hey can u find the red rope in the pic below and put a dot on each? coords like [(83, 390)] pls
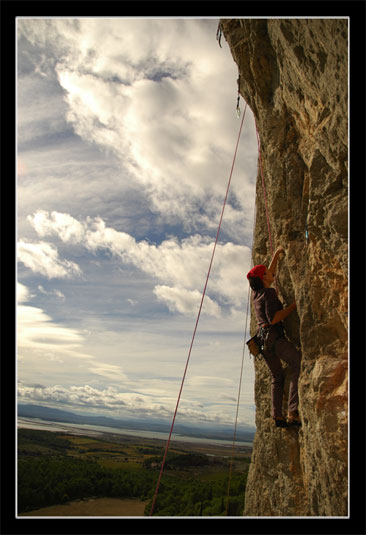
[(237, 408), (240, 381), (247, 313), (265, 196), (198, 316)]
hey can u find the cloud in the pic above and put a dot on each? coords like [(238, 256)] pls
[(67, 228), (125, 150), (114, 400), (57, 293), (153, 98), (36, 329), (23, 293), (181, 265), (176, 158), (207, 380), (111, 371), (186, 301), (38, 334), (86, 396), (43, 258), (135, 373)]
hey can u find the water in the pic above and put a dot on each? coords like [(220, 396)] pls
[(97, 430)]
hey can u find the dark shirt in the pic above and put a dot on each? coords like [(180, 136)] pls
[(266, 304)]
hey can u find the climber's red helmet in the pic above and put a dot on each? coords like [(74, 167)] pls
[(257, 271)]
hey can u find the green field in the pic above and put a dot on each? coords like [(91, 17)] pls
[(58, 468)]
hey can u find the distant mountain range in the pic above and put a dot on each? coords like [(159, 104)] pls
[(209, 431)]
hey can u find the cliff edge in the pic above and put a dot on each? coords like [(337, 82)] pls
[(294, 76)]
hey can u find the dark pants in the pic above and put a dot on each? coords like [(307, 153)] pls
[(286, 351)]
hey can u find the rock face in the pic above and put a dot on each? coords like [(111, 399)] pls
[(294, 76)]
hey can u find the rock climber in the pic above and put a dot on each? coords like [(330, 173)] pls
[(270, 313)]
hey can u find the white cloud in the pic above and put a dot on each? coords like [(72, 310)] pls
[(67, 228), (86, 396), (23, 293), (186, 301), (153, 96), (38, 335), (134, 373), (136, 134), (43, 258), (48, 345), (111, 371), (36, 330), (181, 264), (57, 293), (208, 380), (113, 399)]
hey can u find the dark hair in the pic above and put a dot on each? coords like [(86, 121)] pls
[(256, 283)]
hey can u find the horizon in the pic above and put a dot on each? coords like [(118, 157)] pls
[(152, 420)]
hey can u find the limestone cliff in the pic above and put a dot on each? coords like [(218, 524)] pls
[(294, 76)]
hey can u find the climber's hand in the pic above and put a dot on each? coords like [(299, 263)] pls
[(273, 265)]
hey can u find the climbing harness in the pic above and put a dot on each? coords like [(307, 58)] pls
[(198, 316), (269, 336), (265, 339)]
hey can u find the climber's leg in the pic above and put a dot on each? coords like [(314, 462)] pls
[(289, 354), (278, 381)]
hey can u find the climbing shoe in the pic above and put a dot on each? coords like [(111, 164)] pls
[(280, 422), (294, 419)]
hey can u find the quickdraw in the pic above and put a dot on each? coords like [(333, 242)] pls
[(219, 34), (238, 111)]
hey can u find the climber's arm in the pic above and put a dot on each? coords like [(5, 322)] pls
[(282, 314), (273, 265)]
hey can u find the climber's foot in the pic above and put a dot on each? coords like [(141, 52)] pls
[(280, 422), (293, 418)]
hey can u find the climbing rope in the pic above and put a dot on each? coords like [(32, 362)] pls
[(264, 188), (237, 407), (247, 312), (265, 197), (198, 317), (240, 380)]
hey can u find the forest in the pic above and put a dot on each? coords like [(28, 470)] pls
[(54, 468)]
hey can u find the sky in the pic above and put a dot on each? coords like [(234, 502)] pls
[(126, 131)]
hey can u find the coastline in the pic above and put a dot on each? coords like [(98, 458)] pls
[(116, 433)]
